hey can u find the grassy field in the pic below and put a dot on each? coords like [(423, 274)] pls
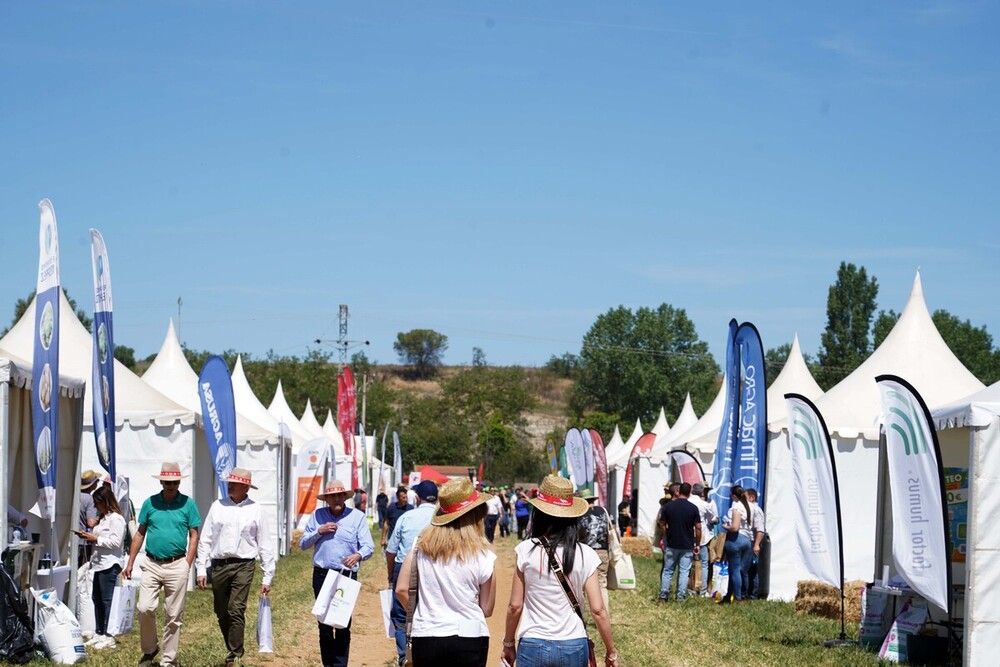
[(696, 632)]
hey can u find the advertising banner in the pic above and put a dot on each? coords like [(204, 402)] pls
[(920, 547), (397, 459), (814, 486), (550, 450), (575, 458), (722, 474), (750, 450), (309, 474), (688, 468), (45, 362), (956, 486), (588, 459), (102, 386), (600, 468), (642, 446), (218, 411)]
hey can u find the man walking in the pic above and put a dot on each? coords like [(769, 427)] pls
[(682, 527), (392, 514), (493, 510), (757, 525), (341, 540), (168, 526), (706, 511), (235, 534), (400, 542)]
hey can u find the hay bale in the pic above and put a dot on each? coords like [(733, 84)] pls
[(637, 546), (816, 597)]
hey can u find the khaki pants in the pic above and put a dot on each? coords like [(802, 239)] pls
[(230, 590), (172, 578)]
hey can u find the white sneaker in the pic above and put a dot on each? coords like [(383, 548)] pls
[(93, 639), (106, 642)]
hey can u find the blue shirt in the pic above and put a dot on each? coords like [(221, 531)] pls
[(351, 537), (407, 529)]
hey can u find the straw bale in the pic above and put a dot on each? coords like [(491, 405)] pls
[(637, 546), (816, 597)]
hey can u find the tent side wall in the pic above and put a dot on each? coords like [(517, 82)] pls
[(982, 628), (649, 477)]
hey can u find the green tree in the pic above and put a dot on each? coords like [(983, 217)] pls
[(634, 362), (477, 394), (603, 422), (125, 355), (21, 307), (429, 432), (850, 306), (478, 357), (422, 349), (972, 345), (567, 366)]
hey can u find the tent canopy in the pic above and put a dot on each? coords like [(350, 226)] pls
[(428, 472), (977, 410)]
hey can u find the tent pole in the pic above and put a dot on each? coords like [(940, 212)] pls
[(4, 456)]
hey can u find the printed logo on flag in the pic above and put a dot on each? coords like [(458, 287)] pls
[(914, 441), (812, 446)]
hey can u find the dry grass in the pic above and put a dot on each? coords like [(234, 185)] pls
[(821, 599), (637, 546)]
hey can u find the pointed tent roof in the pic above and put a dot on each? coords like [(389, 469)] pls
[(711, 420), (614, 446), (331, 431), (309, 422), (621, 456), (662, 426), (247, 402), (280, 411), (172, 375), (794, 378), (686, 419), (135, 401), (913, 350)]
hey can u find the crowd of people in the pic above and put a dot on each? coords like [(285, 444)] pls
[(438, 548)]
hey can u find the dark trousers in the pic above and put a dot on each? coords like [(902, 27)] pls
[(103, 594), (398, 615), (230, 589), (452, 651), (491, 526), (505, 525), (334, 645), (522, 526)]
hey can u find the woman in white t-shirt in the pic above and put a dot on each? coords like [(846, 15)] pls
[(456, 588), (107, 539), (739, 535), (549, 631)]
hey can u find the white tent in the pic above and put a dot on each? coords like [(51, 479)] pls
[(258, 449), (617, 460), (709, 421), (969, 435), (913, 350), (309, 422), (283, 414), (249, 405), (332, 432), (662, 426)]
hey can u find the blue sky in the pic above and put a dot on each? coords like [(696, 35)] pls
[(501, 172)]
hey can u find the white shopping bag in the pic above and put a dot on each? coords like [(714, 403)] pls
[(621, 573), (60, 631), (122, 606), (385, 597), (265, 640), (335, 602), (720, 580)]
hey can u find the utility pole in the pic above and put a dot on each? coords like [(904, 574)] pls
[(364, 396), (342, 341)]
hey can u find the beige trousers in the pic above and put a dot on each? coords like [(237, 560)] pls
[(172, 579)]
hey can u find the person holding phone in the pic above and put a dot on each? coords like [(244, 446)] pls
[(106, 540)]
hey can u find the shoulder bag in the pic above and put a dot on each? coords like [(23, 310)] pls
[(557, 569)]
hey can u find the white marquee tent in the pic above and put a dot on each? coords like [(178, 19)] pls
[(913, 350)]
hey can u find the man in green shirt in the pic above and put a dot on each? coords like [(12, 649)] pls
[(168, 526)]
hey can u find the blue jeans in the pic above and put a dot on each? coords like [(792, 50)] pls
[(705, 567), (104, 592), (398, 615), (671, 557), (738, 551), (553, 653)]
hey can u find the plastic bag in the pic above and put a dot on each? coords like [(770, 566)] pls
[(720, 580), (265, 639), (59, 629), (621, 574), (85, 599), (335, 602), (385, 598), (122, 614), (17, 630)]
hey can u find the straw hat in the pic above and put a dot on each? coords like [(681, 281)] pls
[(456, 498), (240, 476), (88, 479), (169, 472), (555, 498), (335, 488)]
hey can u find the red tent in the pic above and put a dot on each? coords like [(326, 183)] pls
[(427, 472)]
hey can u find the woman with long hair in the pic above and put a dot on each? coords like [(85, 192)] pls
[(107, 539), (456, 589), (549, 628), (739, 536)]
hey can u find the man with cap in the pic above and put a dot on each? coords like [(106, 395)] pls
[(404, 534), (235, 534), (341, 540), (88, 512), (708, 516), (168, 527)]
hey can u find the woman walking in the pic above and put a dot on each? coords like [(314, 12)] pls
[(522, 510), (738, 539), (553, 571), (456, 589), (105, 562)]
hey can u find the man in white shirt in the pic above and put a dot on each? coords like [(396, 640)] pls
[(759, 533), (494, 508), (708, 519), (235, 534)]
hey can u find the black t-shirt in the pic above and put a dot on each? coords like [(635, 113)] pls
[(594, 528), (393, 512), (681, 516)]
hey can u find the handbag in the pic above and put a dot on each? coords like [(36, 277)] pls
[(573, 602), (411, 607)]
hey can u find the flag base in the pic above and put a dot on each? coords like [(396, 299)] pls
[(843, 642)]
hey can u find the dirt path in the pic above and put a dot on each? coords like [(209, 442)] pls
[(369, 645)]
